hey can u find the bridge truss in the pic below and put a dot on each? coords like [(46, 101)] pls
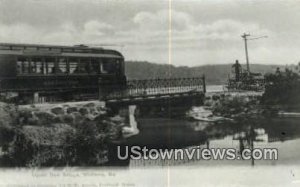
[(153, 89)]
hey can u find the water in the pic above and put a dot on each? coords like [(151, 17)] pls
[(215, 88), (280, 133)]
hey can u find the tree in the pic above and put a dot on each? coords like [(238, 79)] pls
[(282, 88)]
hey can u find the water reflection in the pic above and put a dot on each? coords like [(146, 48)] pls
[(280, 133)]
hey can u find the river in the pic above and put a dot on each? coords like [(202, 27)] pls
[(215, 88), (160, 133)]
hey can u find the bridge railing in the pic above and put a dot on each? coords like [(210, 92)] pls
[(153, 87)]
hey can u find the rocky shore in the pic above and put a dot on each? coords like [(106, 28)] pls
[(57, 134), (232, 106), (81, 133)]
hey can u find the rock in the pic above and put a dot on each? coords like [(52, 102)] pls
[(93, 110), (102, 112), (101, 108), (207, 97), (83, 111), (26, 114), (57, 110), (117, 119), (72, 109), (68, 118), (90, 117), (95, 113), (77, 117), (208, 103), (215, 97), (45, 118), (90, 105), (58, 119), (33, 121)]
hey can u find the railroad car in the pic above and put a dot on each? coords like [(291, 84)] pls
[(45, 73)]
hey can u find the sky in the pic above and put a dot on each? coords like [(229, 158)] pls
[(179, 32)]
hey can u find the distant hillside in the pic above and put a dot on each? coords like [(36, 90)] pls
[(215, 74)]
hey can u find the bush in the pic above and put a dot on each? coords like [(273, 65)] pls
[(282, 88), (37, 137), (230, 106)]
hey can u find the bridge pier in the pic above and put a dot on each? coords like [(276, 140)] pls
[(132, 129), (36, 98), (132, 121), (127, 131)]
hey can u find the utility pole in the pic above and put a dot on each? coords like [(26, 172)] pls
[(244, 36)]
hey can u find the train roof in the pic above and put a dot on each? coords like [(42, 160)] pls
[(40, 49)]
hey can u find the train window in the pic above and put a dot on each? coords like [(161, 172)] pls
[(32, 67), (83, 66), (118, 65), (37, 66), (73, 63), (25, 66), (95, 65), (19, 66), (62, 65), (50, 65), (108, 66), (22, 66)]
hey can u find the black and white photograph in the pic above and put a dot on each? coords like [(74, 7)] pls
[(130, 93)]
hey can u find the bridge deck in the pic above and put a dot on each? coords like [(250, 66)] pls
[(153, 89)]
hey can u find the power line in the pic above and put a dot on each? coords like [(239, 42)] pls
[(245, 37)]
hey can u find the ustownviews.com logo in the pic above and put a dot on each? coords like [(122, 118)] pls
[(137, 153)]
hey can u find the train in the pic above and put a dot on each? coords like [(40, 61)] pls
[(31, 73)]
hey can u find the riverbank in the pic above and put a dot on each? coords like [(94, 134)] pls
[(82, 133), (57, 134)]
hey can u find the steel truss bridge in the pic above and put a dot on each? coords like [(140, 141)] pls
[(138, 91)]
